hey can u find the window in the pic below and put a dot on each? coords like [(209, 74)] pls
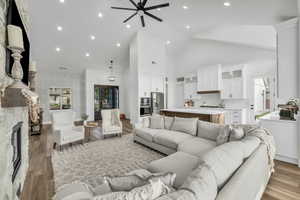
[(60, 98)]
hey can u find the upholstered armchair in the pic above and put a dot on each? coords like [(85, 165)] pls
[(111, 122), (63, 128)]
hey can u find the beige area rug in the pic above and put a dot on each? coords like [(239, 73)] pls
[(114, 157)]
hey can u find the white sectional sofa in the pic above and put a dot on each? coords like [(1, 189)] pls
[(241, 166)]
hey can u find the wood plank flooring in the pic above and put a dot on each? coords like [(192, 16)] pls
[(39, 184)]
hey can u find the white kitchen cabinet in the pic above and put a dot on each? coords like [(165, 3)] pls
[(150, 83), (286, 136), (235, 116), (157, 84), (209, 78), (287, 55), (145, 86), (190, 87), (233, 83)]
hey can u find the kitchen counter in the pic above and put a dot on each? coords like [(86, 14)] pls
[(274, 116), (204, 114), (207, 111)]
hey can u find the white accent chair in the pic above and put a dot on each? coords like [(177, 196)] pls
[(64, 130), (111, 122)]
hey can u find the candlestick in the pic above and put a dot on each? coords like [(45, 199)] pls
[(17, 71), (15, 36), (32, 66)]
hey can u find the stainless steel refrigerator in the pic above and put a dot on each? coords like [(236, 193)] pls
[(157, 102)]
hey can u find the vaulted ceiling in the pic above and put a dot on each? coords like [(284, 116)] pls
[(79, 21)]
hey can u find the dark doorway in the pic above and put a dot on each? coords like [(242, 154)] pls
[(105, 97)]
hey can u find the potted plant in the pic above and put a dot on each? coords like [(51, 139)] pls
[(84, 117)]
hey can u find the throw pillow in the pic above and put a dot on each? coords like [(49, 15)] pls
[(138, 178), (236, 133), (147, 192), (157, 122), (186, 125), (124, 183), (223, 136), (102, 189), (202, 183), (208, 130), (74, 191), (168, 122)]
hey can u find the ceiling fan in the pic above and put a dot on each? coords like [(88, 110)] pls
[(141, 9)]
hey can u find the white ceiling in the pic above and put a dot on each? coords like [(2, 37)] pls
[(79, 19)]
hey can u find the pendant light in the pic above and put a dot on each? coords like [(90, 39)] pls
[(111, 77)]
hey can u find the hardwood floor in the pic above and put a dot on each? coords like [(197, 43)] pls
[(39, 184)]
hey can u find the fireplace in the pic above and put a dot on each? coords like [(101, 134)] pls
[(17, 152)]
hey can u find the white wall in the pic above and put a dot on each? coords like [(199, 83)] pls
[(62, 79), (100, 77), (144, 50)]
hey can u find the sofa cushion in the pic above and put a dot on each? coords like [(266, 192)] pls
[(170, 138), (208, 130), (224, 160), (146, 133), (186, 125), (157, 122), (168, 122), (179, 163), (202, 183), (196, 146)]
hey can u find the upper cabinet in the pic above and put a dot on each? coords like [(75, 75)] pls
[(190, 87), (233, 83), (209, 79), (150, 83), (287, 55)]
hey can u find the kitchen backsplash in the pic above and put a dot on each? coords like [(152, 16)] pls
[(215, 99)]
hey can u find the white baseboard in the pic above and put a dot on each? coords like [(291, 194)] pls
[(286, 159)]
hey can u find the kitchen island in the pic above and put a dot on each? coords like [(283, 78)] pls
[(204, 114)]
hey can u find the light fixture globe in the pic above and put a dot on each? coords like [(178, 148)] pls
[(111, 77)]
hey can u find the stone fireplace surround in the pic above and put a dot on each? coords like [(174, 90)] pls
[(9, 117)]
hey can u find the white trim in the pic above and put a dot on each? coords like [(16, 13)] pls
[(286, 159), (50, 123), (287, 24)]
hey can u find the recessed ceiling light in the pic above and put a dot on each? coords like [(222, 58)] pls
[(57, 49), (188, 27), (158, 9), (118, 44), (227, 3), (168, 42), (185, 7), (128, 26), (87, 54), (93, 37), (62, 1), (59, 28), (100, 15)]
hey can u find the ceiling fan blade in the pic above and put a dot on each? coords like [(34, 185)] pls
[(142, 20), (157, 6), (134, 3), (144, 2), (154, 17), (129, 18), (119, 8)]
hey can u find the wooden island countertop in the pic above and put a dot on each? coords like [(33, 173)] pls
[(205, 114)]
